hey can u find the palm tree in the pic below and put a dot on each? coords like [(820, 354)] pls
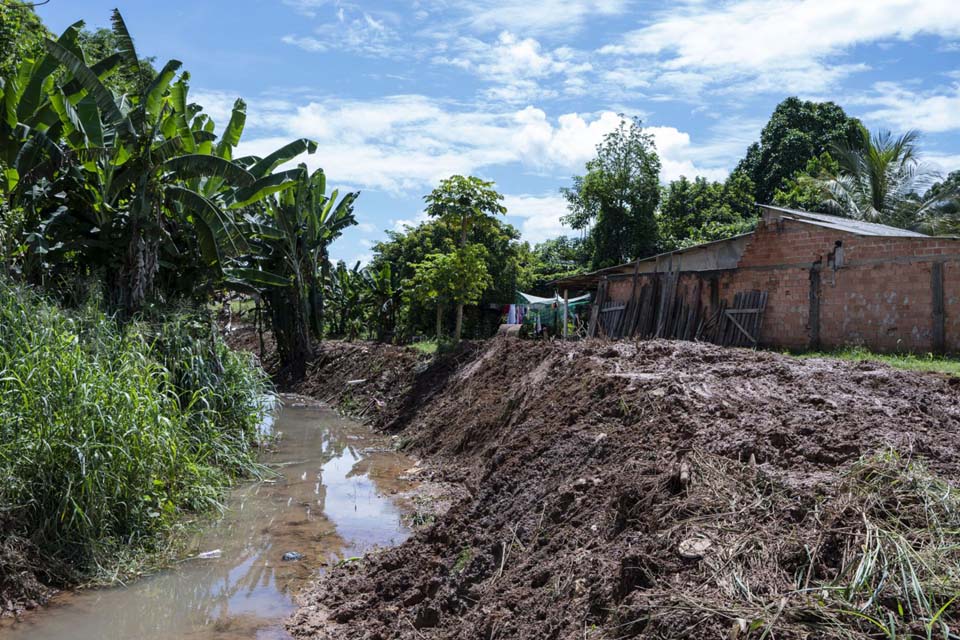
[(881, 179)]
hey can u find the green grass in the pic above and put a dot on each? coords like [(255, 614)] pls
[(428, 347), (911, 362), (110, 435)]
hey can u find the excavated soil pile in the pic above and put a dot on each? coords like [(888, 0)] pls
[(665, 490), (378, 383)]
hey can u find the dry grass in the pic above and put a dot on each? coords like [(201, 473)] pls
[(876, 557)]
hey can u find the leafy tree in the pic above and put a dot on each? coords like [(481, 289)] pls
[(553, 259), (137, 151), (702, 211), (290, 238), (128, 79), (456, 278), (617, 197), (881, 179), (505, 259), (382, 298), (945, 196), (21, 35), (345, 289), (797, 131), (464, 203), (804, 190)]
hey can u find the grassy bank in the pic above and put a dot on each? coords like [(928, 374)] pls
[(109, 435), (910, 362)]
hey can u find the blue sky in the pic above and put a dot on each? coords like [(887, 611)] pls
[(400, 94)]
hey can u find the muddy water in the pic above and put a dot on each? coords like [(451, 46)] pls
[(337, 498)]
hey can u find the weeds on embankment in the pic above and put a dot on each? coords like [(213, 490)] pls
[(109, 434), (928, 362)]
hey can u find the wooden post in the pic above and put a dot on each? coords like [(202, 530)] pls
[(597, 306), (936, 286), (566, 305)]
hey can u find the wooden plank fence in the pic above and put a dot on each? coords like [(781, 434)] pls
[(655, 310)]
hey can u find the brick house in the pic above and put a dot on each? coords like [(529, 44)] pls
[(800, 280)]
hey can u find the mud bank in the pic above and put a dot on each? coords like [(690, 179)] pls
[(378, 383), (658, 489)]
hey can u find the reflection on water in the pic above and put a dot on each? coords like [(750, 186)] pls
[(332, 502)]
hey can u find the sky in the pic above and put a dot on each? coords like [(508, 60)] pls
[(400, 94)]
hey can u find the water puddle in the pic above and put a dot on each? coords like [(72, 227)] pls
[(335, 500)]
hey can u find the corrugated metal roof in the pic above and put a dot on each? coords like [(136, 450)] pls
[(849, 225), (628, 267), (837, 223)]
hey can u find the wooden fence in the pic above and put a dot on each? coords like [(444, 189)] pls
[(656, 310)]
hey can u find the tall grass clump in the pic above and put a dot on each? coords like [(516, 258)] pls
[(110, 433)]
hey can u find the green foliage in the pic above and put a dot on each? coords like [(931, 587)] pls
[(21, 35), (550, 260), (459, 277), (464, 203), (110, 434), (944, 197), (127, 80), (804, 190), (797, 131), (702, 211), (505, 259), (617, 198), (290, 236), (456, 278)]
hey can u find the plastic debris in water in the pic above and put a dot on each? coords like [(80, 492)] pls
[(292, 555), (209, 555)]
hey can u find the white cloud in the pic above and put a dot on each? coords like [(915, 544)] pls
[(517, 66), (403, 143), (677, 156), (401, 224), (899, 108), (943, 163), (539, 216), (769, 45), (362, 33), (537, 16), (306, 7)]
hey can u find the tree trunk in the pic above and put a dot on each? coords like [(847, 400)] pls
[(459, 326), (463, 243), (439, 322), (136, 277), (290, 331), (315, 305)]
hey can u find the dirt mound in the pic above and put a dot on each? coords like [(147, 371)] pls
[(378, 383), (22, 581), (664, 490)]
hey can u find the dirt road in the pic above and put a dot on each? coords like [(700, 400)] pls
[(661, 490)]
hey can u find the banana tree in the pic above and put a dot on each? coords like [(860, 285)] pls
[(346, 288), (289, 240), (139, 154), (381, 297), (37, 171)]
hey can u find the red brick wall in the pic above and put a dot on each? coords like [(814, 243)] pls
[(951, 300), (880, 296)]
